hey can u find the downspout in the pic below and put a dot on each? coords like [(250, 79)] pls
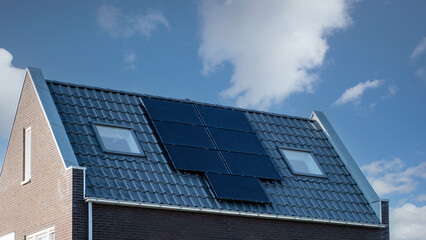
[(90, 221)]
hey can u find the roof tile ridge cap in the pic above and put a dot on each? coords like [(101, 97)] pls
[(94, 99), (176, 99), (77, 85), (97, 108), (278, 115)]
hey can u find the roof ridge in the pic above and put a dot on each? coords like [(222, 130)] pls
[(176, 99)]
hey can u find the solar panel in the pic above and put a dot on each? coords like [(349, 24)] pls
[(190, 147), (196, 159), (165, 110), (224, 118), (237, 141), (183, 134), (251, 165), (231, 187)]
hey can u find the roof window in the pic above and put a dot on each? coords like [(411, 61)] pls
[(301, 162), (119, 140)]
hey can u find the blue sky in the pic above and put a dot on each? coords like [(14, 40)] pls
[(363, 63)]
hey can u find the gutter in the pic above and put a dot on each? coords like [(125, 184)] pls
[(222, 212)]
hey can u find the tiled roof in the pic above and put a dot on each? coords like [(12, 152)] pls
[(150, 179)]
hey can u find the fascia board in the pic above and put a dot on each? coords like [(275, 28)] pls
[(54, 120)]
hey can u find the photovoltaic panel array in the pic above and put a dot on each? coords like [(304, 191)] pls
[(216, 141)]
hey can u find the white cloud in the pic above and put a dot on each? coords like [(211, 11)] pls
[(125, 25), (130, 58), (355, 93), (383, 186), (420, 49), (408, 222), (391, 177), (421, 198), (421, 73), (274, 46), (392, 90), (11, 80), (377, 167)]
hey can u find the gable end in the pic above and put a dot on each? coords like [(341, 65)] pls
[(53, 118), (362, 182)]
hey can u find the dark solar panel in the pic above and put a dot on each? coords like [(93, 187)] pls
[(224, 118), (196, 159), (172, 111), (237, 141), (251, 165), (231, 187), (190, 147), (183, 134)]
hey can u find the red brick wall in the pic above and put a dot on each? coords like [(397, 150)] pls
[(48, 199), (119, 222)]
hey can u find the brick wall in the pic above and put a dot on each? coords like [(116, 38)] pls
[(385, 219), (120, 222), (49, 198), (79, 207)]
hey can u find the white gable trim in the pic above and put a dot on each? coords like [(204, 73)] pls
[(362, 182), (52, 116)]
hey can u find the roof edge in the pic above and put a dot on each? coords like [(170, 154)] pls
[(176, 99), (54, 120), (353, 168), (229, 212)]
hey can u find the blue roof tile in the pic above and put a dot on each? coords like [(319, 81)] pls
[(150, 178)]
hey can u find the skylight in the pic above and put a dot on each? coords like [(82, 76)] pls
[(117, 140), (301, 162)]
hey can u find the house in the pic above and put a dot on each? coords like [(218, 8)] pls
[(92, 163)]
